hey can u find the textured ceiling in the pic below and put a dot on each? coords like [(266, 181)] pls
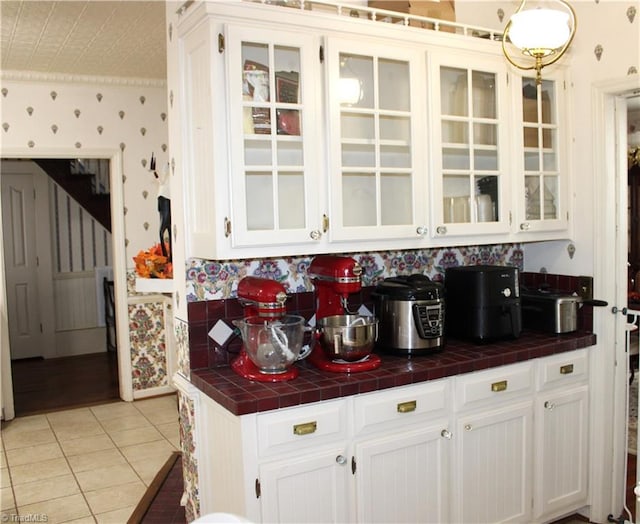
[(120, 38)]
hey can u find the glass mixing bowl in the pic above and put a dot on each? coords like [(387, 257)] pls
[(273, 345)]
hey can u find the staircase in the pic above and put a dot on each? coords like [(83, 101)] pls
[(89, 189)]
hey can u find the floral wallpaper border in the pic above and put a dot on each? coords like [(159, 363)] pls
[(148, 345), (189, 460), (214, 280)]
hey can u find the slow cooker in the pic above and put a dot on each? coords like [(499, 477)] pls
[(410, 312)]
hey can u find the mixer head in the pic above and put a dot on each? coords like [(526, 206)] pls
[(262, 297), (335, 278), (341, 274)]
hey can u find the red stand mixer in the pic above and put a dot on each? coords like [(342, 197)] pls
[(265, 299), (334, 279)]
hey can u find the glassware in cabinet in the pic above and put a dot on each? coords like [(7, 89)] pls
[(275, 167), (471, 171), (540, 139)]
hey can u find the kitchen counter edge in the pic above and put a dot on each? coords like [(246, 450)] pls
[(241, 396)]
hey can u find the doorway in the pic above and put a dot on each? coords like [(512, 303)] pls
[(121, 360), (56, 244)]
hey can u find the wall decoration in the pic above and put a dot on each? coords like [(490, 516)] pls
[(181, 329), (631, 13), (148, 347), (189, 461), (598, 50), (214, 280), (54, 95)]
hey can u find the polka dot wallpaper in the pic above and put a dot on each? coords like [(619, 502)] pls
[(41, 114)]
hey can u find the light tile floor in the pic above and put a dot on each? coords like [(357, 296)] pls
[(85, 465)]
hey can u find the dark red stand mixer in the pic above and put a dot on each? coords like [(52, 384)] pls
[(271, 338), (344, 340)]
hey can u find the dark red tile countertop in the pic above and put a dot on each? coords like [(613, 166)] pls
[(241, 396)]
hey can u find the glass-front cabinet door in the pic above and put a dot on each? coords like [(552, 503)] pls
[(273, 120), (470, 146), (377, 168), (544, 183)]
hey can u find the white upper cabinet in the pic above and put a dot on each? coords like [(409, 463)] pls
[(377, 170), (273, 86), (542, 202), (470, 124), (306, 133)]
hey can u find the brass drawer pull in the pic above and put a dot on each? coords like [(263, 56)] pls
[(566, 370), (407, 407), (499, 386), (305, 428)]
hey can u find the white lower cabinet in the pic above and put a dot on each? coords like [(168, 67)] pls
[(453, 450), (493, 467), (403, 476), (561, 436), (307, 488), (493, 437), (402, 454)]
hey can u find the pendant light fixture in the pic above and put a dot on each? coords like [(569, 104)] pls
[(542, 34)]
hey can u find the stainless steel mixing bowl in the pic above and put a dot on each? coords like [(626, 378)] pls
[(347, 337)]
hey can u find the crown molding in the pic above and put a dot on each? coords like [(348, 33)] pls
[(37, 76)]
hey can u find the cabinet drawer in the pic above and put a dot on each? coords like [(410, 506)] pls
[(564, 368), (496, 384), (396, 406), (311, 425)]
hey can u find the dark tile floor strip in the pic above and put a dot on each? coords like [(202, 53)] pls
[(161, 503)]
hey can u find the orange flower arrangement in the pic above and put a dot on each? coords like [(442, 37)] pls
[(153, 264)]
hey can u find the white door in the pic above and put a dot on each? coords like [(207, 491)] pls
[(18, 213), (561, 466), (403, 476), (493, 472), (312, 488)]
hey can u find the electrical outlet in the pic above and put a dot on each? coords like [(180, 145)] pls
[(585, 287)]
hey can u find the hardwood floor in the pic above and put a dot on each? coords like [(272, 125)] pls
[(41, 385)]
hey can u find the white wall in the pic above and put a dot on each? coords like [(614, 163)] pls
[(111, 116)]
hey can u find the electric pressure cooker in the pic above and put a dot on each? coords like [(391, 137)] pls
[(410, 311)]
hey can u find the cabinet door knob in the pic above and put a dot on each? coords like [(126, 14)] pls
[(549, 405), (341, 459), (421, 230), (468, 427), (445, 433), (315, 234), (441, 230), (525, 226)]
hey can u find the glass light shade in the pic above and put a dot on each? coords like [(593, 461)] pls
[(540, 30), (350, 91)]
